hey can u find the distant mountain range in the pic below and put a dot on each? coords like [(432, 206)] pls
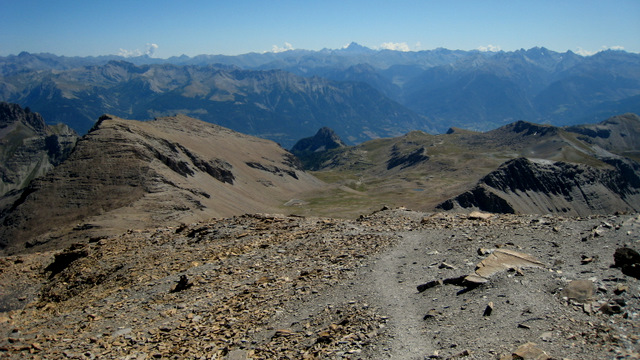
[(358, 92)]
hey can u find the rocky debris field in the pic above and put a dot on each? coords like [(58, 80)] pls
[(393, 284)]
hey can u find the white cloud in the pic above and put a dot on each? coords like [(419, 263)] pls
[(129, 53), (395, 46), (277, 49), (490, 48), (151, 50), (583, 52)]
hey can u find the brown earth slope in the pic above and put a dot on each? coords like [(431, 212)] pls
[(128, 175)]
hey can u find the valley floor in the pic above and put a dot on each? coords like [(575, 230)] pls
[(271, 286)]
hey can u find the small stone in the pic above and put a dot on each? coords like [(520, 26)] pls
[(429, 285), (477, 215), (620, 288), (530, 351), (324, 337), (444, 265), (464, 353), (283, 333), (546, 336), (611, 309), (587, 259), (488, 310), (430, 314)]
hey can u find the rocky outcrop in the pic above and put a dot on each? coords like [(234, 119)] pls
[(28, 147), (324, 139), (127, 174), (311, 151), (540, 186)]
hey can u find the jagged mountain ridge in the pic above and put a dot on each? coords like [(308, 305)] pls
[(466, 89), (127, 174), (421, 171), (28, 147), (271, 104)]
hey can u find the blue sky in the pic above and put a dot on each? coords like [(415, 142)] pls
[(167, 28)]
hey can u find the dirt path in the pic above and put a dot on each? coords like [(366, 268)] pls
[(390, 284)]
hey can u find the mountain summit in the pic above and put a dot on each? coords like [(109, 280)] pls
[(127, 174), (324, 139)]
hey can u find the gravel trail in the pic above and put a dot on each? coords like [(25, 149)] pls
[(391, 283)]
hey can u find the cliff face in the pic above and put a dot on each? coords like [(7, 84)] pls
[(127, 174), (530, 186), (28, 147), (312, 150)]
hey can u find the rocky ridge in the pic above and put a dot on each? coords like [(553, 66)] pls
[(272, 286), (127, 173), (28, 147), (530, 186)]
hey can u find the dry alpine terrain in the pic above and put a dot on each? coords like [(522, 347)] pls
[(131, 174), (171, 239), (393, 284)]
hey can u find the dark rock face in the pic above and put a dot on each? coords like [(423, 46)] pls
[(311, 150), (324, 139), (28, 147), (481, 198), (532, 186)]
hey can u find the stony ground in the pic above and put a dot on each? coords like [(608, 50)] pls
[(271, 286)]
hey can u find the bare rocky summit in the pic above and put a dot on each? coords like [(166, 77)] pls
[(129, 174), (273, 286)]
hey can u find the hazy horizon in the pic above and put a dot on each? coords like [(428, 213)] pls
[(150, 52), (165, 28)]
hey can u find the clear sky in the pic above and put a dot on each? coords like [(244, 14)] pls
[(165, 28)]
